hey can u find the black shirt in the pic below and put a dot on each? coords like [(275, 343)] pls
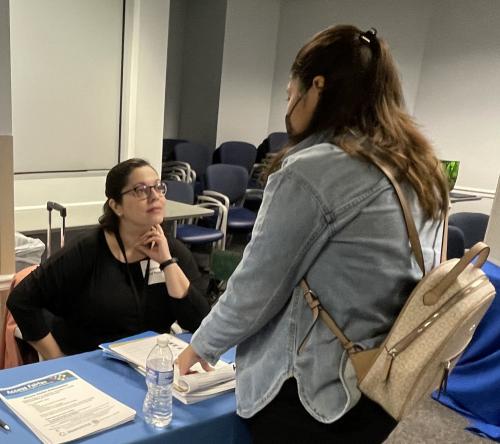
[(89, 292)]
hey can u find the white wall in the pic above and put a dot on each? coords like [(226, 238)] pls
[(247, 70), (5, 87), (142, 120), (173, 88), (201, 70), (145, 62), (459, 96), (403, 23), (66, 70)]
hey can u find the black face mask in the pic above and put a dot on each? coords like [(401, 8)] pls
[(288, 122)]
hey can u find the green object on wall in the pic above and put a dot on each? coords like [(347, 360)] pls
[(451, 170)]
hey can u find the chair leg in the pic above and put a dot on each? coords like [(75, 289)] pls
[(229, 238)]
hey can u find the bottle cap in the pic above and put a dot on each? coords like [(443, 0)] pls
[(162, 340)]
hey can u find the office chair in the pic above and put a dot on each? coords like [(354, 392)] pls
[(228, 183), (238, 153), (168, 148), (198, 156), (456, 243), (198, 233), (472, 225), (277, 141)]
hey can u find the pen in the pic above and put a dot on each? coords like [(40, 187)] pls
[(4, 426)]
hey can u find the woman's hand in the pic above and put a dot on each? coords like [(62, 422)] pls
[(154, 245), (188, 358)]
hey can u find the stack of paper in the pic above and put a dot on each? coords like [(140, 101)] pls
[(195, 387), (62, 407)]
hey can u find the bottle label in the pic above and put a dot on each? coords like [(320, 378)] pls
[(160, 378)]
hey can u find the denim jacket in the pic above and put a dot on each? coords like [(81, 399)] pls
[(335, 220)]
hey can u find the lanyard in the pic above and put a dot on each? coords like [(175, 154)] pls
[(129, 274)]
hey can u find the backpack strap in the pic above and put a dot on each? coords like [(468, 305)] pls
[(319, 312), (444, 240), (315, 305), (408, 217)]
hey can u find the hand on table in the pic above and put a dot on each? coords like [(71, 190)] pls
[(187, 359)]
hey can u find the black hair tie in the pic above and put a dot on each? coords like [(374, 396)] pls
[(368, 37)]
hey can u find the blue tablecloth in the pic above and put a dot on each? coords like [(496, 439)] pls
[(474, 385), (210, 421)]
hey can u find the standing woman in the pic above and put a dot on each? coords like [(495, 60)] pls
[(331, 216), (123, 278)]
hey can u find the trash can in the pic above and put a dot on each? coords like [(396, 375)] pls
[(28, 251)]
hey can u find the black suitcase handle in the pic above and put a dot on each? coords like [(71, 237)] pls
[(62, 211), (58, 207)]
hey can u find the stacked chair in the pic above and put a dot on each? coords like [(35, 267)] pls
[(179, 171)]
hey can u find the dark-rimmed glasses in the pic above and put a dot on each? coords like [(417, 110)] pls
[(143, 191)]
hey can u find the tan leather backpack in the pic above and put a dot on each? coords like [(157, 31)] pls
[(430, 333)]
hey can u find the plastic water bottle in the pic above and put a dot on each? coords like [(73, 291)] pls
[(157, 405)]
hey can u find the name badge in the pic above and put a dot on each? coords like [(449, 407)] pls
[(156, 276)]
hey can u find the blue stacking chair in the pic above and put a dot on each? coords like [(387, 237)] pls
[(191, 233), (472, 225), (198, 156), (168, 148), (267, 149), (456, 243), (238, 153), (277, 141), (228, 183)]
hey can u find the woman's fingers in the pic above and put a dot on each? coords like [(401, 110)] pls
[(206, 366)]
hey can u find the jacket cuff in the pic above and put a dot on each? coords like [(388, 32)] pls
[(202, 348)]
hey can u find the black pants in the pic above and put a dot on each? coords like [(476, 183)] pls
[(284, 420)]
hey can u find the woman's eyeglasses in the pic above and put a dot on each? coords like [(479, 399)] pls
[(144, 191)]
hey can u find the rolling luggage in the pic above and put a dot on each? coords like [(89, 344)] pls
[(62, 212)]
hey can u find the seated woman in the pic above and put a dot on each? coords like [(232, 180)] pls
[(121, 279)]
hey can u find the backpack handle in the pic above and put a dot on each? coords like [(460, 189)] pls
[(479, 250)]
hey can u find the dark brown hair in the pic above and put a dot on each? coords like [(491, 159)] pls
[(362, 106), (116, 180)]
